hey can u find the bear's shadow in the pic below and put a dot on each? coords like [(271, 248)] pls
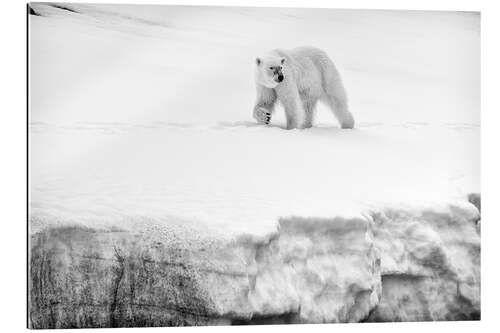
[(319, 129), (248, 124)]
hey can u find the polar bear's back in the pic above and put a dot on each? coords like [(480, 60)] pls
[(309, 52), (305, 54)]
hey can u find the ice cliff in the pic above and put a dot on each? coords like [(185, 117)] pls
[(390, 265)]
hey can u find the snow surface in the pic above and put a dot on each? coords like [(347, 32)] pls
[(142, 113)]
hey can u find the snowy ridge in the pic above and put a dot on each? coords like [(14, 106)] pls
[(109, 174)]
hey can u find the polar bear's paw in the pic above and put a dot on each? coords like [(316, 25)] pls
[(262, 115)]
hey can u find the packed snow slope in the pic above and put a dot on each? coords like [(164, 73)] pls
[(141, 129)]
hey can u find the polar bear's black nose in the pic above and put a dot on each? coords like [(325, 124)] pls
[(280, 78)]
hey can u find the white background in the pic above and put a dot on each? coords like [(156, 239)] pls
[(13, 166)]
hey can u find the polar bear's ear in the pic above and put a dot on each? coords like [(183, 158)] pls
[(282, 61), (257, 61)]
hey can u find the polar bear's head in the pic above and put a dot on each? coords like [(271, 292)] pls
[(269, 70)]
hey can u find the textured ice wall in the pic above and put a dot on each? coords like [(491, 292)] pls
[(392, 265), (430, 264)]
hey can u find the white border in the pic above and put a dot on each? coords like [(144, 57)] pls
[(13, 163)]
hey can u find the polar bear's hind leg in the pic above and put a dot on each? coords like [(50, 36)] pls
[(340, 110), (335, 96)]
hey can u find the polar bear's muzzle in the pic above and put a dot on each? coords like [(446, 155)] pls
[(278, 74)]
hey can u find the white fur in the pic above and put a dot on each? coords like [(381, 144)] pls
[(309, 76)]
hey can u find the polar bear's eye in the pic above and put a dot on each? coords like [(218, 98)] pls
[(271, 68)]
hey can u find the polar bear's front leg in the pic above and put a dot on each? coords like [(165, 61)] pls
[(294, 111), (264, 106), (291, 121), (294, 115), (309, 106), (262, 115)]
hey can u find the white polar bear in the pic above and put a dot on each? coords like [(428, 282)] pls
[(298, 78)]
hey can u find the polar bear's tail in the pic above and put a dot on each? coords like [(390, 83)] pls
[(334, 94)]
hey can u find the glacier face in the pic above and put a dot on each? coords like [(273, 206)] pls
[(393, 265), (430, 264)]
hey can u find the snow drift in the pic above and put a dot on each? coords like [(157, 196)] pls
[(155, 200)]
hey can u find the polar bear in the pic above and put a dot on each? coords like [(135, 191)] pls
[(298, 79)]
